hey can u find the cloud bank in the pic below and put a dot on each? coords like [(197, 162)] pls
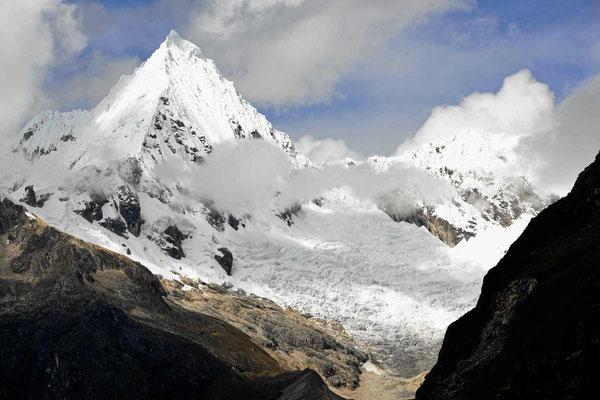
[(271, 183), (521, 106), (324, 150), (294, 52), (559, 154), (35, 35), (558, 141)]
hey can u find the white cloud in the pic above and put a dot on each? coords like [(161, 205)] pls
[(35, 36), (522, 106), (559, 154), (557, 141), (324, 150), (239, 177), (397, 189), (292, 52), (272, 184)]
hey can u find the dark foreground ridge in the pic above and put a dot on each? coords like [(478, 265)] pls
[(80, 322), (535, 332)]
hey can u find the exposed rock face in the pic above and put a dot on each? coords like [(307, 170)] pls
[(115, 225), (289, 213), (215, 218), (130, 210), (29, 198), (92, 210), (445, 231), (534, 332), (32, 200), (479, 167), (225, 260), (233, 222), (78, 321), (174, 238)]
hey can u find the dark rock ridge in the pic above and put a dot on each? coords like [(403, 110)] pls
[(289, 213), (124, 201), (535, 331), (130, 210), (174, 238), (31, 199), (214, 217), (78, 321), (437, 226), (233, 222), (92, 209), (115, 225), (225, 260)]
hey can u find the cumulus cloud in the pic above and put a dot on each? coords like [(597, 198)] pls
[(557, 141), (559, 154), (36, 35), (291, 52), (324, 150), (522, 106)]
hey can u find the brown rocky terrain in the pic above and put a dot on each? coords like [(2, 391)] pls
[(78, 321), (295, 340), (535, 332)]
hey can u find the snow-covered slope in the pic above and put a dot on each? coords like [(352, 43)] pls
[(175, 104), (488, 192), (97, 175)]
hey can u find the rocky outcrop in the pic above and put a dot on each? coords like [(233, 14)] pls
[(482, 187), (233, 222), (295, 340), (78, 321), (115, 225), (289, 213), (442, 229), (92, 209), (214, 218), (130, 210), (225, 259), (534, 332), (29, 198), (32, 200), (174, 238)]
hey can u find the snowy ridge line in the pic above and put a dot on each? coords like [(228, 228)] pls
[(97, 175)]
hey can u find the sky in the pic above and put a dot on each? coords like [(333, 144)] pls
[(360, 77)]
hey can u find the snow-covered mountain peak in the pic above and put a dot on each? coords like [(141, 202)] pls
[(176, 104), (174, 40), (483, 168), (102, 175), (468, 151)]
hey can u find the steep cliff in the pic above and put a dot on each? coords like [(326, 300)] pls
[(536, 327)]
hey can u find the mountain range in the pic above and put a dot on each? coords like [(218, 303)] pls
[(147, 174)]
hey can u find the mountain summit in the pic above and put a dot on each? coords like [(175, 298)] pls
[(125, 176), (175, 103)]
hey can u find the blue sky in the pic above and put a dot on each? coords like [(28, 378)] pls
[(379, 99)]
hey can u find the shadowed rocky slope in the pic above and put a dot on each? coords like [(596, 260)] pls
[(295, 340), (78, 321), (535, 332)]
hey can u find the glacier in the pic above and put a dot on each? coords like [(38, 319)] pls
[(391, 283)]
